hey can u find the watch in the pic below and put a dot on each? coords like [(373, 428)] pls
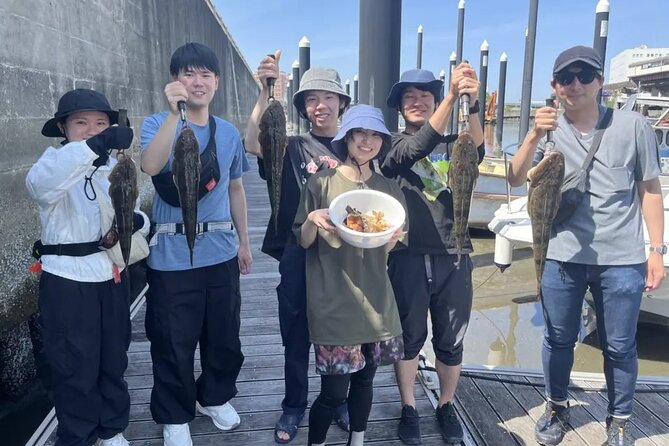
[(662, 249), (474, 108)]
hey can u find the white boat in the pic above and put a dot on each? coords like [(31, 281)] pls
[(490, 192), (511, 224)]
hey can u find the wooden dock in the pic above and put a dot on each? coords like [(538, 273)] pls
[(494, 413)]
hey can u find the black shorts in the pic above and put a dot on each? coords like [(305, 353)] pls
[(448, 296)]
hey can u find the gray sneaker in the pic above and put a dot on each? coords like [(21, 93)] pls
[(552, 425), (616, 432)]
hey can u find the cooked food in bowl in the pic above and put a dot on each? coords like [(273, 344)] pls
[(369, 222), (366, 202)]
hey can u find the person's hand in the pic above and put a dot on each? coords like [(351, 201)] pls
[(321, 219), (464, 81), (545, 119), (654, 271), (269, 68), (397, 235), (112, 138), (244, 258), (175, 92)]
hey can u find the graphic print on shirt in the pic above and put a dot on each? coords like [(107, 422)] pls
[(433, 172)]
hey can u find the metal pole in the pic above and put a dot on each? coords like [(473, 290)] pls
[(528, 67), (442, 77), (289, 100), (304, 48), (296, 87), (348, 87), (501, 91), (453, 127), (419, 48), (355, 89), (483, 76), (601, 33), (379, 65), (461, 30)]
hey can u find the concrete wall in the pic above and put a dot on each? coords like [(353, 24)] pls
[(119, 47)]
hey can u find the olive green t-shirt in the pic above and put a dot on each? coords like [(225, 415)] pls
[(349, 296)]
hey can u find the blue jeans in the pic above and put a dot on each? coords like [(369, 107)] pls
[(617, 294)]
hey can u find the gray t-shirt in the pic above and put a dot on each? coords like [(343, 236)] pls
[(606, 227)]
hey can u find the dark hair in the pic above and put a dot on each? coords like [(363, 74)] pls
[(436, 93), (425, 88), (194, 55)]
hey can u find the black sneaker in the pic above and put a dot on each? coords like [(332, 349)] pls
[(552, 425), (616, 432), (451, 430), (409, 428)]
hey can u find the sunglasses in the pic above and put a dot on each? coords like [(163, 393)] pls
[(567, 77)]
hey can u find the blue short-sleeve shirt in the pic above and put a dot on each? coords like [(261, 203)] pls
[(170, 253)]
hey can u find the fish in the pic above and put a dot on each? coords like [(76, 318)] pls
[(462, 173), (543, 200), (273, 141), (124, 192), (186, 175)]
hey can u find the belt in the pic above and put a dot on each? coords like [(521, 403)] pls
[(178, 228), (68, 249)]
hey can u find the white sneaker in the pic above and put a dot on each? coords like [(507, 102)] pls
[(116, 440), (225, 417), (177, 435)]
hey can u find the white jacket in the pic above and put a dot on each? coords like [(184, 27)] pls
[(56, 181)]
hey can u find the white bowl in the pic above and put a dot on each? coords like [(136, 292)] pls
[(366, 201)]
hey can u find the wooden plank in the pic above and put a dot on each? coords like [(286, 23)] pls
[(143, 427), (271, 339), (488, 425), (508, 409), (382, 432), (583, 428), (644, 425), (390, 393), (655, 404), (263, 387), (597, 406)]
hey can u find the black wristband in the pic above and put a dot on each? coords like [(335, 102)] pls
[(475, 108)]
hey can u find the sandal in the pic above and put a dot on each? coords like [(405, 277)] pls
[(288, 423), (341, 417)]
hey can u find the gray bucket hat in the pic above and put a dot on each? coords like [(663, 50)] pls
[(366, 117), (317, 78)]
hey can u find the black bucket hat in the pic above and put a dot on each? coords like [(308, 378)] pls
[(75, 101), (415, 78)]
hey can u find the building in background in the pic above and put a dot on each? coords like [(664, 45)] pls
[(280, 92), (622, 69), (641, 70)]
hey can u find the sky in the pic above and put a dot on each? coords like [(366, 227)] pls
[(332, 27)]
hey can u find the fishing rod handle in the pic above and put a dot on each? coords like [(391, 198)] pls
[(270, 82), (464, 103), (122, 117), (122, 122), (182, 110), (550, 102)]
